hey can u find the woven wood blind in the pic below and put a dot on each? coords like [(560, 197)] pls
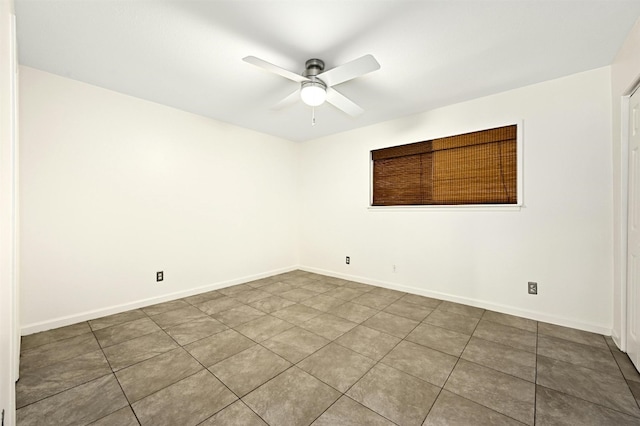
[(473, 168)]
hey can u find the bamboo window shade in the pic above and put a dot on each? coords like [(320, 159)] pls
[(473, 168)]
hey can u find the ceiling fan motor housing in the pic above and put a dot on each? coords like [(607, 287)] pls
[(313, 68), (313, 92)]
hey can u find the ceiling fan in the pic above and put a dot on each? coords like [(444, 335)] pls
[(316, 84)]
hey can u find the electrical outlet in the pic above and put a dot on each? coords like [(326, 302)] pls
[(533, 287), (159, 276), (395, 268), (348, 261)]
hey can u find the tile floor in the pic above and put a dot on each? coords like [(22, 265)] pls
[(301, 348)]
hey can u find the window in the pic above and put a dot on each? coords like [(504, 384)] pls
[(473, 168)]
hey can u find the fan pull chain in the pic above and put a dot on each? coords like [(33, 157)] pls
[(313, 116)]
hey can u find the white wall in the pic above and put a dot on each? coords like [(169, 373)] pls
[(561, 238), (114, 188), (625, 74), (9, 336)]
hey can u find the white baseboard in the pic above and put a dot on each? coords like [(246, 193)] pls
[(102, 312), (534, 315)]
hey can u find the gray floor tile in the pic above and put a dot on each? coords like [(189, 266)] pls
[(328, 326), (452, 321), (453, 410), (122, 417), (626, 366), (368, 342), (422, 362), (261, 282), (335, 281), (426, 302), (375, 301), (46, 381), (263, 328), (353, 312), (239, 315), (337, 366), (388, 292), (213, 349), (635, 390), (409, 310), (297, 314), (346, 294), (300, 280), (220, 304), (356, 286), (250, 296), (573, 335), (187, 402), (52, 353), (271, 304), (121, 333), (203, 297), (246, 370), (322, 303), (610, 342), (298, 294), (395, 395), (600, 388), (447, 341), (116, 319), (292, 398), (195, 330), (578, 354), (511, 321), (501, 392), (391, 324), (76, 406), (50, 336), (235, 289), (150, 376), (509, 336), (139, 349), (164, 307), (295, 344), (236, 414), (457, 308), (347, 412), (555, 408), (503, 358), (178, 316), (278, 287), (320, 286), (582, 377)]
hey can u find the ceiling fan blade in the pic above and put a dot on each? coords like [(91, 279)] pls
[(343, 103), (275, 69), (350, 70), (287, 101)]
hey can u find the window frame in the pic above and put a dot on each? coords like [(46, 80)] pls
[(458, 207)]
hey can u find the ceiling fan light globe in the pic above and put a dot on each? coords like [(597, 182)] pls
[(313, 94)]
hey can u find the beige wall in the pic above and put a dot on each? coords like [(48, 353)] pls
[(114, 188), (561, 237)]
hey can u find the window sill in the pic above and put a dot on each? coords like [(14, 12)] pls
[(449, 208)]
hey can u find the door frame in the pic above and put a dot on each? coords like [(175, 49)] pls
[(625, 137)]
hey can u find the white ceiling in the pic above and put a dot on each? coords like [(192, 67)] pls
[(188, 54)]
